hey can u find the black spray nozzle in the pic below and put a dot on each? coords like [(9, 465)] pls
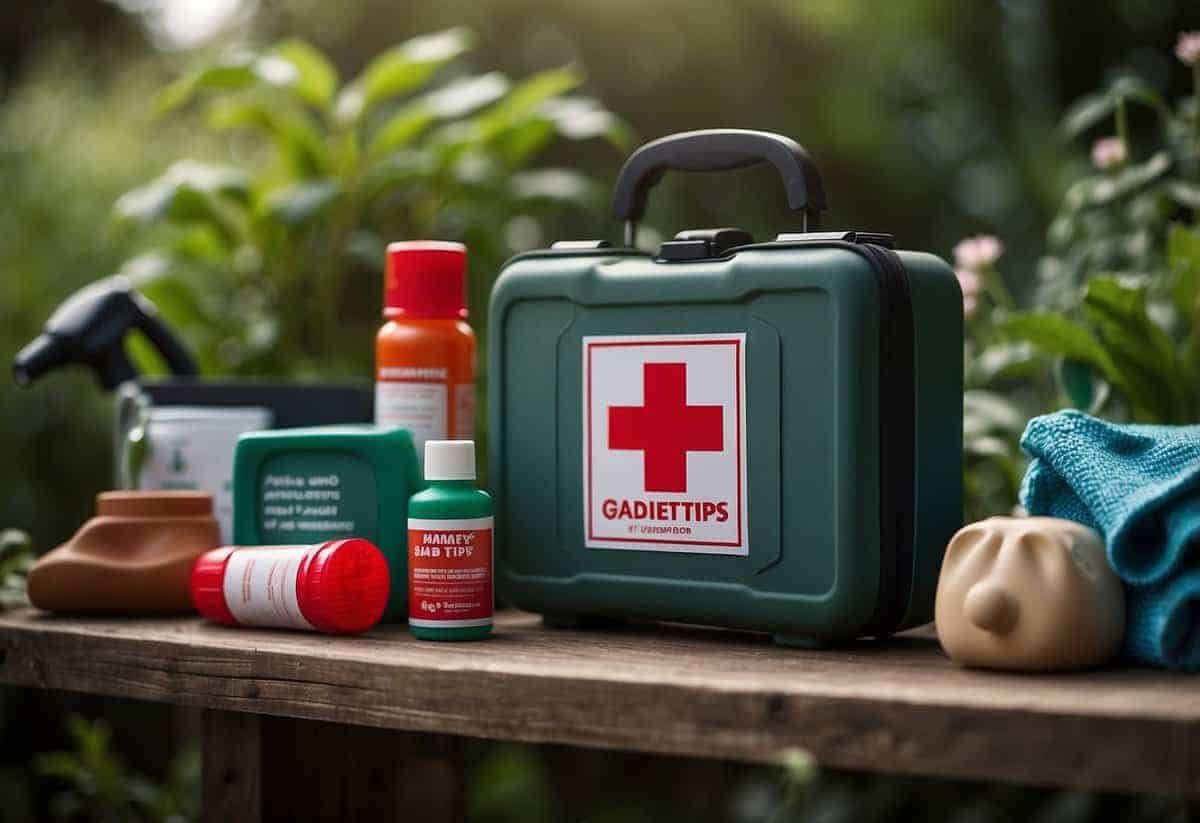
[(90, 329)]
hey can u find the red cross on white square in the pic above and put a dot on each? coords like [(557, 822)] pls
[(664, 443), (666, 428)]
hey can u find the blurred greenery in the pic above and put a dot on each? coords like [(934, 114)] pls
[(251, 200), (95, 783), (16, 558), (512, 783), (1112, 326), (269, 264)]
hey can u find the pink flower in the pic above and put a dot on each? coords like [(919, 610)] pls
[(1187, 47), (979, 252), (970, 283), (1108, 152)]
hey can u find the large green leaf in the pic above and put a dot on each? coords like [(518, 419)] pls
[(400, 70), (1185, 193), (399, 169), (1142, 351), (299, 203), (1090, 110), (233, 72), (290, 127), (584, 118), (1104, 189), (1083, 388), (1111, 302), (400, 130), (1057, 335), (990, 411), (190, 192), (1087, 112), (1002, 360), (454, 100), (525, 100), (521, 142), (466, 95), (316, 79), (1183, 257)]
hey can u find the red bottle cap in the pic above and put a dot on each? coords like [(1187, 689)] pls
[(208, 586), (343, 587), (425, 278)]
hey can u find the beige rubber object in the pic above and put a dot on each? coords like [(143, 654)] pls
[(1032, 593), (134, 557)]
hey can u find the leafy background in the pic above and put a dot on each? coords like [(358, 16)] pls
[(245, 164)]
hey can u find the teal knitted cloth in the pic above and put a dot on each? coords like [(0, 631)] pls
[(1139, 485)]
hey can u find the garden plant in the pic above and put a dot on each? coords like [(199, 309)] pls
[(267, 259), (1113, 323)]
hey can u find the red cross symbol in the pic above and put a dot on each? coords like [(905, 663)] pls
[(666, 428)]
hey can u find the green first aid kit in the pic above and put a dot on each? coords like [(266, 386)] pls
[(311, 485), (759, 435)]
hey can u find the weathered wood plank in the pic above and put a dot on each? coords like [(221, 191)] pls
[(314, 770), (231, 779), (898, 706)]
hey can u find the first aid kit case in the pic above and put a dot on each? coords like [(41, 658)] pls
[(761, 435)]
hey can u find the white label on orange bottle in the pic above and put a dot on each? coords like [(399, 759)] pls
[(450, 572), (419, 407), (260, 586), (464, 411)]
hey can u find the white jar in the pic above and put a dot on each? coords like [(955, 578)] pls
[(190, 447)]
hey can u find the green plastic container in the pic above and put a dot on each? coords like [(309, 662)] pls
[(309, 485), (757, 435), (462, 602)]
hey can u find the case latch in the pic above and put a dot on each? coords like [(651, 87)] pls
[(703, 244)]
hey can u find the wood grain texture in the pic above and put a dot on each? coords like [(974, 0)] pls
[(314, 770), (897, 706), (231, 782)]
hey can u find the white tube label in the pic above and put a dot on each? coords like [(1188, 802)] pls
[(260, 586)]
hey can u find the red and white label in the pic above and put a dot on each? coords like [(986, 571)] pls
[(450, 572), (664, 442), (260, 586)]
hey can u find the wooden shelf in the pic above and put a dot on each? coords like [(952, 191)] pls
[(898, 706)]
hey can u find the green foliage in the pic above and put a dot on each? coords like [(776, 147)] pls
[(511, 784), (98, 786), (75, 133), (272, 265), (1114, 326), (16, 558), (1118, 297)]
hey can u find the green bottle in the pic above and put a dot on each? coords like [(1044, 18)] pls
[(450, 548)]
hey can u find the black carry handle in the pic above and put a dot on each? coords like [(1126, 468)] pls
[(717, 150)]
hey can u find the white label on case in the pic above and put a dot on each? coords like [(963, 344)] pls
[(664, 443)]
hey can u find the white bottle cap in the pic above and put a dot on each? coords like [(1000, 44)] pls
[(449, 459)]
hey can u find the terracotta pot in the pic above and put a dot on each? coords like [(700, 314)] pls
[(134, 557)]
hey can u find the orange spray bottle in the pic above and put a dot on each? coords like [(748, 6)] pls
[(425, 352)]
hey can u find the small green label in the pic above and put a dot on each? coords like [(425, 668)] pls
[(307, 497)]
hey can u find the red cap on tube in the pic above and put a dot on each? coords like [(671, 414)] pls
[(425, 278), (343, 587), (208, 586)]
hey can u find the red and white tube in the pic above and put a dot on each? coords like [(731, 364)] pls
[(340, 586)]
